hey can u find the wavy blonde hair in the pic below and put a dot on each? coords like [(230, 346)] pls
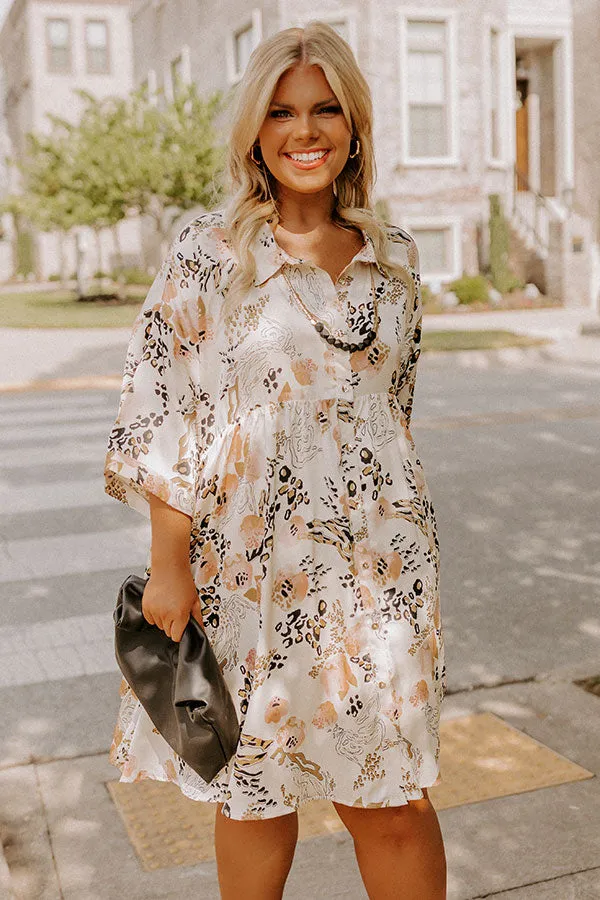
[(250, 186)]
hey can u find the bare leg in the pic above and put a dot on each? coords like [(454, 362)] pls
[(254, 857), (399, 850)]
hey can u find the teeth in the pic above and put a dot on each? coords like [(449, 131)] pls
[(308, 157)]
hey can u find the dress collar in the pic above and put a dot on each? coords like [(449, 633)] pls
[(270, 256)]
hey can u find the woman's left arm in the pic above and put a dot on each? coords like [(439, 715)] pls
[(412, 337)]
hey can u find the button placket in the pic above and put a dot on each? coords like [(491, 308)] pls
[(351, 469)]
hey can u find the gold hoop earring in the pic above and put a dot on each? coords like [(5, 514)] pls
[(258, 162), (353, 155)]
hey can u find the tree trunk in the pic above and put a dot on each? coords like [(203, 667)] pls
[(62, 265), (120, 279), (99, 260), (81, 244)]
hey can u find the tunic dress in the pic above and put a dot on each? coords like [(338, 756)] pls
[(313, 543)]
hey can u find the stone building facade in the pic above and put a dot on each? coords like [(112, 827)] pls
[(47, 49), (471, 98)]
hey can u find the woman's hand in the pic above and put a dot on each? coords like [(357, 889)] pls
[(169, 598)]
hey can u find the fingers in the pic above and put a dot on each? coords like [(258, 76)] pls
[(168, 617), (176, 630), (196, 612), (148, 616)]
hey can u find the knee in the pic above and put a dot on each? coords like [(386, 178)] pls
[(386, 823)]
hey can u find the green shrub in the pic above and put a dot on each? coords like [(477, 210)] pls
[(471, 289), (427, 298), (54, 277), (501, 275)]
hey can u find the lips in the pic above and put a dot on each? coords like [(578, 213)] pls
[(312, 164)]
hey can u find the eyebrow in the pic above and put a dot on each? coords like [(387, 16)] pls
[(290, 105)]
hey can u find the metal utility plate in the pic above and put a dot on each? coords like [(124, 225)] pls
[(482, 757)]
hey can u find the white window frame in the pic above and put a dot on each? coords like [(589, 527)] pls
[(345, 13), (449, 18), (505, 69), (48, 47), (109, 68), (454, 224), (255, 23)]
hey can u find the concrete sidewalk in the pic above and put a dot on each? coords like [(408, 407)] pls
[(69, 843), (28, 354), (512, 463), (574, 335), (44, 354), (557, 323)]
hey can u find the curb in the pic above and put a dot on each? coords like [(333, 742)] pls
[(510, 356), (483, 358), (79, 383), (476, 359), (590, 328)]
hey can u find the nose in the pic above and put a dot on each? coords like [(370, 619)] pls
[(305, 126)]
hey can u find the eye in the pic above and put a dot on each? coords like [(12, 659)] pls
[(275, 113), (331, 109)]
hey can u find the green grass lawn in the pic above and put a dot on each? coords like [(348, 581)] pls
[(60, 309), (477, 340)]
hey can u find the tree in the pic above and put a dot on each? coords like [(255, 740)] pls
[(177, 163), (125, 155)]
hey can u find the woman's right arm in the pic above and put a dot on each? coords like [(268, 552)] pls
[(170, 596)]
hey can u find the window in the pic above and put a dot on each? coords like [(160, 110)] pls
[(342, 27), (428, 86), (434, 253), (240, 45), (427, 91), (344, 21), (243, 45), (495, 148), (496, 93), (438, 242), (58, 45), (96, 47)]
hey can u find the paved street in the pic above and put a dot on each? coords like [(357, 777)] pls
[(512, 458)]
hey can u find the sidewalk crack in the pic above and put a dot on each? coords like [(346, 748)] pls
[(48, 833), (525, 884)]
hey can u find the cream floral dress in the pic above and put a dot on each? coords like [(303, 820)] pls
[(314, 544)]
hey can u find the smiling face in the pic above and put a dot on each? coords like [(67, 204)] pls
[(304, 115)]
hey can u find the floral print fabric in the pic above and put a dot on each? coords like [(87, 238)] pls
[(314, 544)]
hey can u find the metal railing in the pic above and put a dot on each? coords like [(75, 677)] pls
[(532, 211)]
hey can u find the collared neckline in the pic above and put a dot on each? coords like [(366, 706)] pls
[(270, 256)]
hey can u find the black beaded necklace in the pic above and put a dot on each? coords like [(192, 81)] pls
[(321, 328)]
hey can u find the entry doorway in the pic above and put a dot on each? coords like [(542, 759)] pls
[(522, 134), (538, 123)]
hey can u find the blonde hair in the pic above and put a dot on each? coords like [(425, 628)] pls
[(250, 186)]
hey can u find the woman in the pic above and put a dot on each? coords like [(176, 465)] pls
[(264, 428)]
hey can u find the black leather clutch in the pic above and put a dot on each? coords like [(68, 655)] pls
[(179, 684)]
